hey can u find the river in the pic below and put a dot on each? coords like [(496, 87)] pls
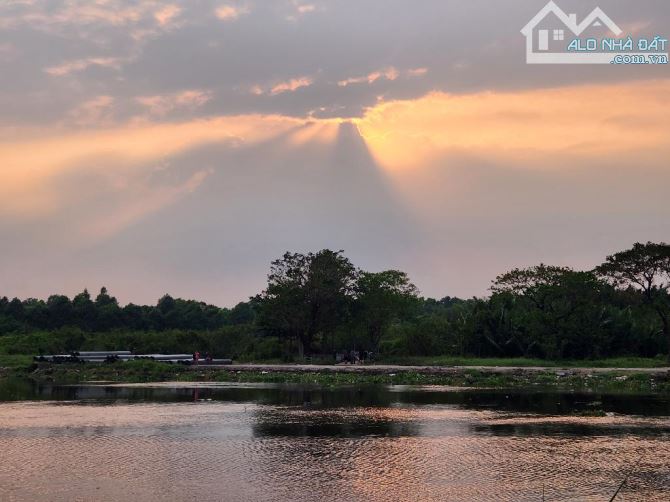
[(262, 442)]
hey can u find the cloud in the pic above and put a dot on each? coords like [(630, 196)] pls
[(125, 49), (81, 64), (94, 112), (282, 87), (236, 192), (291, 85), (29, 166), (305, 8), (300, 9), (230, 12), (76, 12), (391, 73), (166, 15), (530, 126), (114, 212), (161, 105), (256, 90), (417, 72), (129, 121)]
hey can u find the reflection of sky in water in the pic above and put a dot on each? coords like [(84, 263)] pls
[(297, 443)]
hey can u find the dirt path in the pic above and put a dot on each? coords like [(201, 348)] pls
[(392, 368)]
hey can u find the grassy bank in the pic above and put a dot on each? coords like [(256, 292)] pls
[(17, 361), (149, 371), (616, 362), (14, 362)]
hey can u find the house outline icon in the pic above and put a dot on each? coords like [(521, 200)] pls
[(596, 18)]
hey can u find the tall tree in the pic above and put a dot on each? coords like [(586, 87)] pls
[(307, 296), (108, 313), (59, 310), (381, 298), (646, 268), (530, 282), (548, 311), (83, 310)]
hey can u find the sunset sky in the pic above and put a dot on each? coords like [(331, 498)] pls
[(179, 147)]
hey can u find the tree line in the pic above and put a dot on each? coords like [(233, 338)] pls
[(317, 304)]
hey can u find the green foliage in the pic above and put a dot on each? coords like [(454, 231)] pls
[(317, 304), (229, 341), (644, 268), (307, 297), (381, 299), (551, 312), (104, 314)]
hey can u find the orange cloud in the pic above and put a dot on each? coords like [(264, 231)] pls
[(417, 72), (229, 12), (300, 10), (389, 73), (305, 8), (281, 87), (94, 112), (534, 128), (165, 15), (162, 104), (291, 85), (29, 167), (531, 124), (79, 13), (81, 64)]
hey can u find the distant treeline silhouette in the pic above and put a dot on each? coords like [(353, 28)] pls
[(317, 304)]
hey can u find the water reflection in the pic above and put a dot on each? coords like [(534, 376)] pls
[(305, 443), (336, 423), (315, 397)]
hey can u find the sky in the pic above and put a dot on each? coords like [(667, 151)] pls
[(179, 147)]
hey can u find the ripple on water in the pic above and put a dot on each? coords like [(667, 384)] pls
[(236, 451)]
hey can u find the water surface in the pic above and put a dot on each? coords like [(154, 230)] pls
[(295, 442)]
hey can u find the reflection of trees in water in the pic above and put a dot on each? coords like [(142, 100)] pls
[(336, 397), (14, 389), (373, 396), (285, 395), (355, 452), (339, 412), (21, 389), (332, 423), (543, 402)]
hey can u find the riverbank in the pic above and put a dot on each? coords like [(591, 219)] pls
[(653, 380)]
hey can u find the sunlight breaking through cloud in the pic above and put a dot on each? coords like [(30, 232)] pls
[(568, 122)]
